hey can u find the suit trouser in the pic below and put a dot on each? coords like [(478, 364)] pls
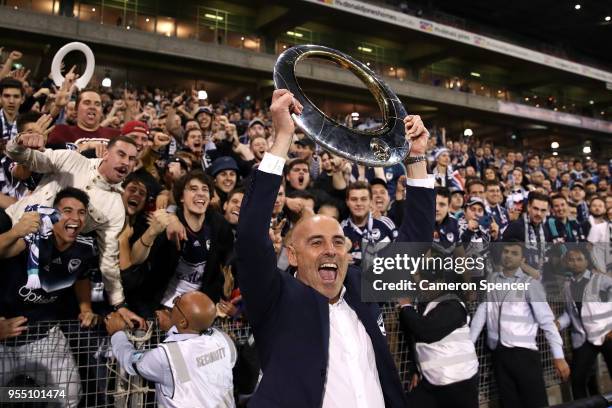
[(583, 360), (519, 377), (462, 394)]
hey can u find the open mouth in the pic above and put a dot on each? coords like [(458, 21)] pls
[(91, 115), (122, 171), (133, 203), (301, 179), (199, 202), (328, 272), (235, 213), (71, 229)]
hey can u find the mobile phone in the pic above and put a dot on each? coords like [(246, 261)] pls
[(202, 95), (485, 221)]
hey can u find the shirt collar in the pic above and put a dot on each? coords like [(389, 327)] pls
[(340, 299), (174, 335), (585, 275), (517, 274), (99, 181)]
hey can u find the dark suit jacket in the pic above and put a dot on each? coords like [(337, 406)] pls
[(291, 320)]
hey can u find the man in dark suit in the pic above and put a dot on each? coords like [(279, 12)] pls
[(319, 344)]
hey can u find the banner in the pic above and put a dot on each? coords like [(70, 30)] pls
[(456, 34)]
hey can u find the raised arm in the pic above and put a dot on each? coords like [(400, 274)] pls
[(28, 149), (419, 205), (256, 260)]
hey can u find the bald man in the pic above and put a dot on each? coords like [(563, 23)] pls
[(193, 366), (318, 343)]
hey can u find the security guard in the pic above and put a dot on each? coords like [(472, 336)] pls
[(193, 366), (444, 353), (589, 312), (512, 318)]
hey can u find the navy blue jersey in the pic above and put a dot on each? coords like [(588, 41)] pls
[(500, 215), (446, 236), (375, 231), (55, 299), (191, 265)]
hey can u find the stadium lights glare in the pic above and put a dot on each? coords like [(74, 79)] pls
[(128, 27), (364, 49), (608, 18), (555, 153), (468, 132), (588, 157), (295, 34), (147, 19), (554, 145), (475, 74), (355, 115), (577, 6), (106, 82), (586, 149), (213, 17), (93, 9), (591, 102)]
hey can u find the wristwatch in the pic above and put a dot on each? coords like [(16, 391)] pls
[(120, 305), (415, 159)]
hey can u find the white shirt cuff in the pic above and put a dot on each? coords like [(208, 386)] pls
[(428, 182), (272, 164)]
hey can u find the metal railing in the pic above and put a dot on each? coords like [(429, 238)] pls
[(61, 353)]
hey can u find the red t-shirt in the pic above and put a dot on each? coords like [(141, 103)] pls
[(70, 134)]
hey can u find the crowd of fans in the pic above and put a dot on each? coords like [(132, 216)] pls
[(126, 199)]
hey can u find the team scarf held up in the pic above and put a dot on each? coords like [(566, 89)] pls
[(39, 246)]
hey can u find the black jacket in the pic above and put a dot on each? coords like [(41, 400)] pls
[(291, 320)]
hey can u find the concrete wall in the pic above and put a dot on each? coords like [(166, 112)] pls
[(73, 29)]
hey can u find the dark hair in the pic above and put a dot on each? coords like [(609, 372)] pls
[(516, 242), (186, 135), (71, 192), (255, 138), (179, 186), (120, 138), (25, 118), (358, 185), (236, 190), (11, 83), (473, 182), (596, 197), (493, 183), (534, 195), (78, 100), (442, 192), (135, 178), (558, 197), (580, 247), (294, 163), (301, 194)]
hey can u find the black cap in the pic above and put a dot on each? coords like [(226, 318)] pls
[(475, 200), (305, 141), (204, 109), (223, 163), (255, 122), (176, 159), (378, 180)]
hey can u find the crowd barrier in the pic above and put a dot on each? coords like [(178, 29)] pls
[(50, 353)]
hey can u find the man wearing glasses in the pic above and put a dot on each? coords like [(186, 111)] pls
[(193, 366)]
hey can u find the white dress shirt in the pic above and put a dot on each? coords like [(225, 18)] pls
[(105, 214), (352, 376)]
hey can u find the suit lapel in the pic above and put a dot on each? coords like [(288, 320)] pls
[(323, 307)]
